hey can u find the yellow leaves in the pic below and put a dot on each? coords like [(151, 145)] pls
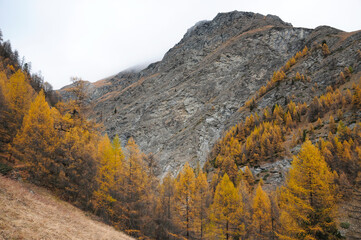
[(249, 123), (342, 77), (307, 200), (227, 165), (319, 122), (248, 176), (226, 209), (40, 113), (38, 122), (262, 91), (278, 112), (124, 192), (186, 184), (325, 50), (164, 211), (3, 81), (292, 109), (288, 120), (332, 125), (356, 98), (331, 100), (18, 95), (185, 198), (287, 66), (251, 103), (343, 131), (52, 146), (301, 54), (11, 67), (266, 113), (348, 96), (346, 154), (293, 61), (278, 76), (304, 51), (358, 152), (18, 92), (201, 203), (109, 171), (134, 168), (261, 219), (264, 141), (35, 141)]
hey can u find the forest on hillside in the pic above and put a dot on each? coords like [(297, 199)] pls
[(52, 143)]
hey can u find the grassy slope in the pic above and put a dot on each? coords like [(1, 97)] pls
[(30, 212)]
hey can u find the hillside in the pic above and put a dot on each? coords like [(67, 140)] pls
[(177, 108), (248, 128), (31, 212)]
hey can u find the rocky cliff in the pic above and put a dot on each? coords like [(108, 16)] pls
[(177, 108)]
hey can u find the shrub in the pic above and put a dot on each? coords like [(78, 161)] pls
[(4, 169), (345, 225), (350, 69), (325, 50)]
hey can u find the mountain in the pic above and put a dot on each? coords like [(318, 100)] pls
[(178, 107), (267, 115)]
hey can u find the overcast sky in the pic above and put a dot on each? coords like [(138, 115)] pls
[(96, 39)]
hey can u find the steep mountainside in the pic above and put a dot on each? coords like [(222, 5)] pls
[(177, 108), (30, 212)]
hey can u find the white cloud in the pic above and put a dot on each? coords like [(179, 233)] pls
[(95, 39)]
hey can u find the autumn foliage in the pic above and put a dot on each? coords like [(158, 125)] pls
[(308, 202), (57, 147)]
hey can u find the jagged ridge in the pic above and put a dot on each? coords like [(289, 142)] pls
[(178, 107)]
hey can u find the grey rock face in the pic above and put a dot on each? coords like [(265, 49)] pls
[(273, 174), (177, 108)]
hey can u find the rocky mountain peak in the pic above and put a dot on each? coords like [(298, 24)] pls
[(241, 21), (177, 108)]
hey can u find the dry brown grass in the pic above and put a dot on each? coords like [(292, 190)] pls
[(103, 82), (233, 40), (30, 212), (343, 36), (113, 94)]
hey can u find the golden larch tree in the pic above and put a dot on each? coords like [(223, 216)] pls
[(165, 206), (136, 189), (201, 204), (261, 219), (307, 201), (108, 177), (36, 141), (325, 50), (184, 200), (226, 211), (245, 190), (76, 158), (16, 95)]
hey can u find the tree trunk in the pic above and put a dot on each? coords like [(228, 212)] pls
[(227, 235), (187, 213)]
